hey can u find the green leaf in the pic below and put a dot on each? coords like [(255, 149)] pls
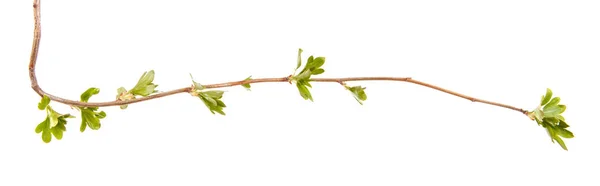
[(309, 62), (553, 102), (304, 92), (44, 102), (100, 115), (551, 133), (560, 117), (358, 92), (43, 125), (561, 142), (546, 97), (212, 102), (299, 59), (58, 134), (89, 118), (53, 116), (220, 103), (539, 115), (216, 94), (564, 133), (306, 83), (552, 120), (562, 124), (552, 111), (85, 96), (316, 63), (247, 85), (83, 125), (318, 71), (46, 136), (304, 75), (563, 108), (145, 87)]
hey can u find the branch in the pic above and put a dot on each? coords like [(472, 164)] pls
[(547, 114), (35, 86)]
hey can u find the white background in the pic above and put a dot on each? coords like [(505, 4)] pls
[(505, 51)]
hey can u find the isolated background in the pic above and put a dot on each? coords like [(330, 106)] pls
[(505, 51)]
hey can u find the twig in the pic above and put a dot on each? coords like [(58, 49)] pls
[(39, 91)]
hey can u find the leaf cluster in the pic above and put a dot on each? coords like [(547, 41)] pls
[(210, 98), (144, 87), (247, 85), (549, 115), (302, 78), (54, 124), (90, 116), (358, 92)]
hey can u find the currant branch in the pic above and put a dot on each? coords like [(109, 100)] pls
[(547, 114)]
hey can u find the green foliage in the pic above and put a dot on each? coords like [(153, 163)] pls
[(90, 116), (302, 79), (548, 115), (303, 89), (44, 102), (358, 92), (144, 87), (54, 124), (210, 98), (247, 85)]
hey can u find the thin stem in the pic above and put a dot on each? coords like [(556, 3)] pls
[(39, 91)]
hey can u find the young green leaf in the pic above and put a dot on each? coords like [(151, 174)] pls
[(44, 102), (304, 92), (304, 75), (46, 136), (309, 62), (553, 102), (564, 132), (552, 111), (52, 115), (560, 142), (562, 124), (89, 118), (318, 71), (215, 94), (85, 96), (539, 115), (41, 126), (546, 97), (316, 63), (358, 92), (57, 132), (299, 63), (247, 85), (145, 87)]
